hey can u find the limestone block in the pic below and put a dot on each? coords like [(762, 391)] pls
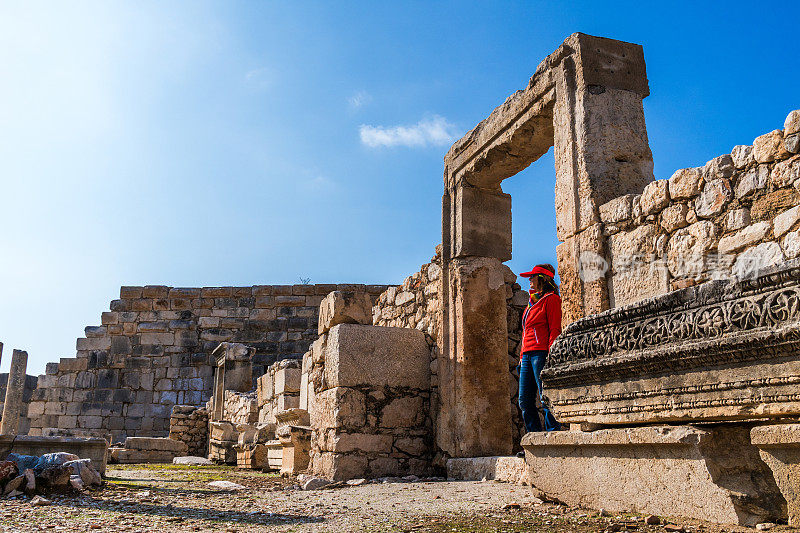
[(499, 468), (359, 442), (482, 225), (655, 197), (637, 282), (753, 180), (582, 267), (791, 244), (786, 172), (767, 206), (287, 380), (344, 308), (339, 407), (125, 456), (769, 147), (687, 248), (786, 221), (674, 217), (628, 247), (737, 219), (742, 156), (779, 448), (376, 356), (792, 143), (685, 183), (719, 167), (339, 467), (745, 237), (155, 443), (792, 123), (617, 210), (706, 474), (714, 197), (756, 258), (403, 412)]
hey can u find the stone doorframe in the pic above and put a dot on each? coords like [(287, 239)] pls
[(585, 99)]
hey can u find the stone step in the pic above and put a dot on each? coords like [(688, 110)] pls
[(508, 469)]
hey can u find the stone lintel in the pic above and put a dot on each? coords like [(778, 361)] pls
[(641, 436)]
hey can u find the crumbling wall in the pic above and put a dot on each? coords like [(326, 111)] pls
[(732, 216), (278, 390), (152, 352), (27, 393), (189, 424), (240, 407), (416, 304)]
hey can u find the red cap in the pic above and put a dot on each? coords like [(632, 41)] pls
[(537, 270)]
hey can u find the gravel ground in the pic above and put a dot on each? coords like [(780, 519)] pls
[(178, 498)]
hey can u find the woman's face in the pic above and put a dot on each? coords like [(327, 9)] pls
[(536, 284)]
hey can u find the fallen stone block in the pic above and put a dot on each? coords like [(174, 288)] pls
[(498, 468), (155, 444), (340, 307), (226, 485), (191, 460)]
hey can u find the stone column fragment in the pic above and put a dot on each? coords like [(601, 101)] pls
[(14, 391)]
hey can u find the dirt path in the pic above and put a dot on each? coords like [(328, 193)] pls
[(171, 498)]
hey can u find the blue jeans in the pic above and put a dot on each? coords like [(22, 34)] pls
[(530, 385)]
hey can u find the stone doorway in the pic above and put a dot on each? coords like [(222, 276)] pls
[(585, 100)]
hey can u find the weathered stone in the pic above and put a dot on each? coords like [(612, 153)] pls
[(779, 447), (190, 460), (792, 143), (786, 173), (753, 180), (655, 197), (719, 167), (344, 308), (674, 217), (358, 355), (483, 222), (714, 197), (792, 123), (786, 221), (745, 237), (687, 248), (15, 386), (582, 267), (767, 206), (791, 244), (685, 183), (757, 258), (155, 444), (339, 407), (402, 413), (737, 219), (287, 380), (742, 156), (503, 469), (769, 147), (617, 210), (637, 281), (606, 469), (226, 485), (367, 443)]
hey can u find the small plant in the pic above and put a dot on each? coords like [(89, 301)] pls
[(305, 281)]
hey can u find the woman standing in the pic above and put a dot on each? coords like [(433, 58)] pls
[(541, 324)]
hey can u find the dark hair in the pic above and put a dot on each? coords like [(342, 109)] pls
[(548, 283)]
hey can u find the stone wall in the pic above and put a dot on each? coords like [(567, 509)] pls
[(415, 304), (30, 386), (240, 408), (189, 424), (278, 390), (152, 351), (732, 216)]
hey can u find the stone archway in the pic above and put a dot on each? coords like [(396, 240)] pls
[(585, 99)]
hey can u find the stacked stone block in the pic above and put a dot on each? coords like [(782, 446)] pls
[(189, 424), (737, 213), (368, 394), (241, 407), (152, 349), (416, 304), (278, 390)]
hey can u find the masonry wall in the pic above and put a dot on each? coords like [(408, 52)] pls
[(27, 393), (737, 213), (152, 351), (416, 304)]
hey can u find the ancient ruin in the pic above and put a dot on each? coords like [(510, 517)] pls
[(677, 372)]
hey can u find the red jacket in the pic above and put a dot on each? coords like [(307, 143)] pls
[(541, 323)]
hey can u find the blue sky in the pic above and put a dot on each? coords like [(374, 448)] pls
[(239, 143)]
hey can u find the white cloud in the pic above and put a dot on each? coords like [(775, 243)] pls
[(436, 131), (359, 99), (259, 78), (319, 184)]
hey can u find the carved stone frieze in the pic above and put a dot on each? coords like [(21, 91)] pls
[(727, 349)]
